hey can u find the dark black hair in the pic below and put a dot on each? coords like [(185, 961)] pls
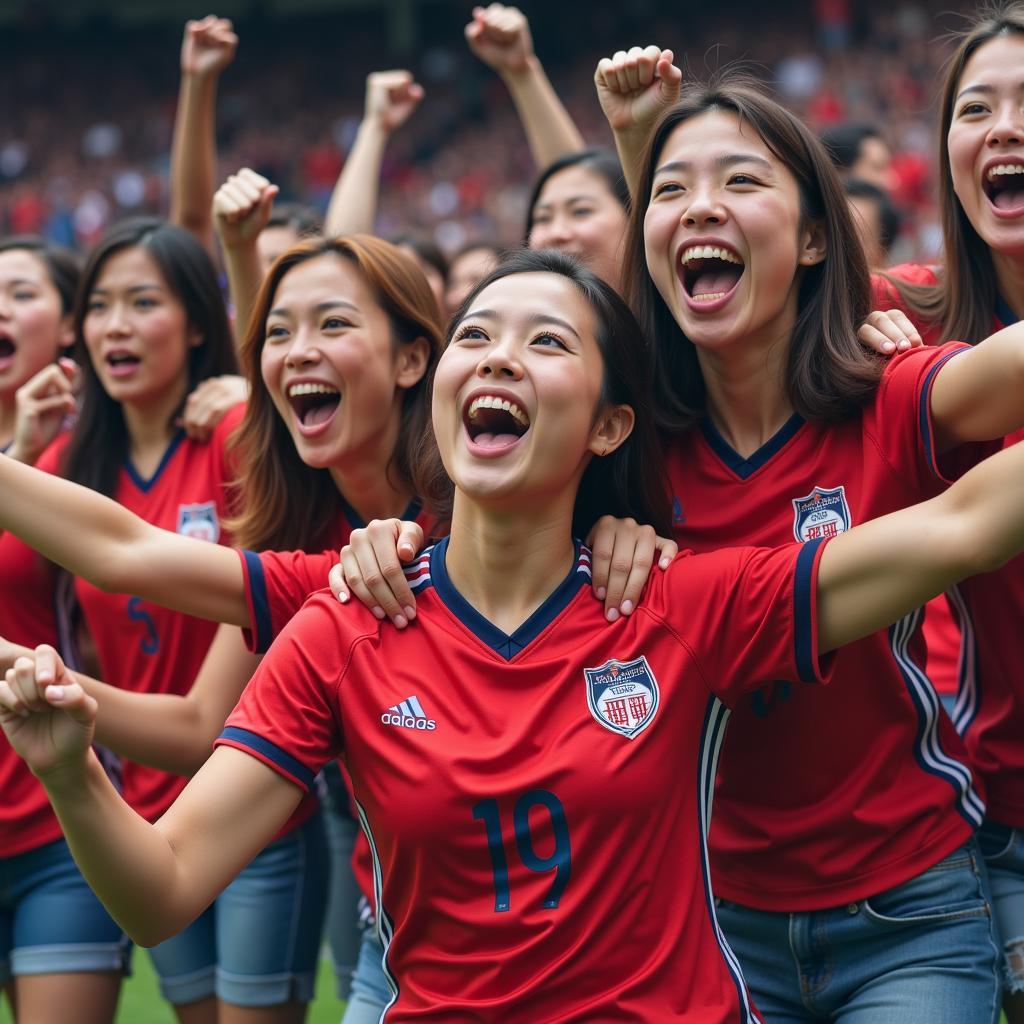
[(63, 266), (99, 441), (602, 162), (630, 481), (427, 251), (844, 141), (888, 218), (303, 219)]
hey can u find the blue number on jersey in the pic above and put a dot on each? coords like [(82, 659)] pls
[(150, 643)]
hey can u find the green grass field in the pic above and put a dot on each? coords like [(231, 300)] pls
[(141, 1002)]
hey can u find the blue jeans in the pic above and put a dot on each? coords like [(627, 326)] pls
[(370, 989), (1003, 848), (50, 921), (920, 953), (258, 944), (343, 931)]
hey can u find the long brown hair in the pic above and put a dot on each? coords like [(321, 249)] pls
[(961, 304), (829, 375), (287, 504)]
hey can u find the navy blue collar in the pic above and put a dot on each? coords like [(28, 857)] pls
[(1004, 314), (145, 485), (508, 646), (744, 467), (355, 520)]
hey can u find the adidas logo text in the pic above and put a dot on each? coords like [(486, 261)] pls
[(409, 714)]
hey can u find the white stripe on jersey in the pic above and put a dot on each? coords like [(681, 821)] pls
[(418, 574), (967, 695), (926, 700)]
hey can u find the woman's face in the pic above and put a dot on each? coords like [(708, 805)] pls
[(516, 391), (723, 234), (434, 277), (986, 143), (33, 326), (137, 331), (465, 273), (330, 365), (577, 214), (272, 241)]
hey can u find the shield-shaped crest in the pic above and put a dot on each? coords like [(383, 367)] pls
[(821, 514), (199, 521), (623, 695)]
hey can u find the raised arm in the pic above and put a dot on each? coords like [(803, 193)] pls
[(153, 878), (169, 731), (877, 572), (206, 50), (634, 88), (500, 37), (241, 209), (391, 96), (96, 538)]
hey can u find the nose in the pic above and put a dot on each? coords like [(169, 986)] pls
[(703, 209), (116, 324), (557, 231), (302, 351), (499, 362), (1008, 127)]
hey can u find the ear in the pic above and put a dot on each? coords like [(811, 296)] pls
[(66, 332), (813, 244), (412, 362), (195, 337), (613, 426)]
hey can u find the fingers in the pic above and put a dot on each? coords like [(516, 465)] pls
[(240, 195), (374, 574), (889, 332), (633, 70), (623, 556), (667, 550), (336, 581), (601, 542), (410, 540), (210, 402)]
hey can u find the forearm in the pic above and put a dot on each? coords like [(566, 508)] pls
[(194, 157), (630, 146), (353, 206), (551, 132), (128, 863), (244, 278)]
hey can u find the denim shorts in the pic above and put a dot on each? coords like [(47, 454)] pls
[(343, 930), (1003, 848), (371, 992), (50, 921), (922, 952), (258, 944)]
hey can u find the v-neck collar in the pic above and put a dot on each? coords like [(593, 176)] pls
[(143, 484), (355, 520), (745, 467), (1004, 314), (504, 644)]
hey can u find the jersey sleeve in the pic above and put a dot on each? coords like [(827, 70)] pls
[(748, 615), (902, 424), (277, 584), (288, 716)]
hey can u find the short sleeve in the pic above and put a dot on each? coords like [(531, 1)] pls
[(901, 421), (749, 615), (287, 716), (277, 584)]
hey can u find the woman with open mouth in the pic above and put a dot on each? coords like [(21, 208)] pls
[(508, 751)]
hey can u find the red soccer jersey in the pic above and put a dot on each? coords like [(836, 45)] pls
[(140, 645), (27, 617), (536, 801), (826, 796)]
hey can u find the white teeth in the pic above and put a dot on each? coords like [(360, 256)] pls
[(708, 252), (493, 402), (1005, 169), (709, 296), (311, 389)]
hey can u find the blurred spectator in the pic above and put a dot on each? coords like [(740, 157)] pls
[(860, 151), (876, 219)]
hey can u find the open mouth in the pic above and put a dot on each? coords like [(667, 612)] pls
[(495, 422), (120, 363), (1004, 186), (7, 349), (709, 272), (314, 404)]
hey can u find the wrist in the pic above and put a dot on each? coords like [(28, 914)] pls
[(522, 74), (71, 777)]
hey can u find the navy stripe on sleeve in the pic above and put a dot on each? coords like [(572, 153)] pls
[(262, 627), (289, 765), (803, 611), (925, 409)]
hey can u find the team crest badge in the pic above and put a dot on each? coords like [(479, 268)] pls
[(822, 514), (623, 695), (199, 521)]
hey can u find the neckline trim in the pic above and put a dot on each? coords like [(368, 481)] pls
[(746, 467)]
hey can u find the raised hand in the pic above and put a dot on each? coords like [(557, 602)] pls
[(241, 207), (46, 715), (635, 86), (888, 332), (42, 404), (210, 402), (391, 96), (208, 46), (500, 37)]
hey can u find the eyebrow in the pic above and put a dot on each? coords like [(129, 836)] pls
[(985, 90), (134, 288), (584, 197), (721, 163), (535, 319), (320, 307)]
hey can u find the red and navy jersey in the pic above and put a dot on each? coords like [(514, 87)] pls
[(27, 617), (989, 710), (510, 784), (143, 646), (827, 795)]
